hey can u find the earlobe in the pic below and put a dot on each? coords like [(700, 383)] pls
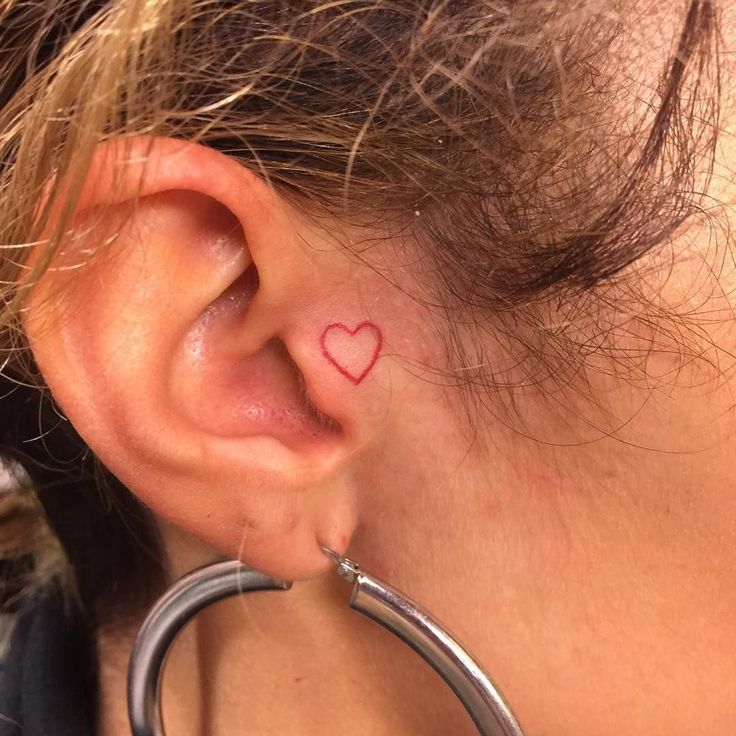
[(200, 357)]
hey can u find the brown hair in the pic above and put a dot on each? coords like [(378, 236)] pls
[(487, 131)]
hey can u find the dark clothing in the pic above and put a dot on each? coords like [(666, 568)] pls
[(47, 676)]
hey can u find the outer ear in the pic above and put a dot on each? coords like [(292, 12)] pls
[(225, 369)]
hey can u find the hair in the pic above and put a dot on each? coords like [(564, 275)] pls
[(488, 131)]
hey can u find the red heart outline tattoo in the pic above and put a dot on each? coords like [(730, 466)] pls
[(355, 376)]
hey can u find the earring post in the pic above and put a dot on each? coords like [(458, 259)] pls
[(346, 568)]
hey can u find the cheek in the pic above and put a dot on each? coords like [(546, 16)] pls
[(412, 464)]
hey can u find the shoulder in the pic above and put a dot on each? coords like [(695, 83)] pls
[(47, 672)]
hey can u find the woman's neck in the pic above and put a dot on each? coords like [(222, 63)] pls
[(297, 663)]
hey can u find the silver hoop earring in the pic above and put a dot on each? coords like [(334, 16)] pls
[(402, 617)]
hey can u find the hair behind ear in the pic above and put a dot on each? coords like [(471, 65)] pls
[(107, 536)]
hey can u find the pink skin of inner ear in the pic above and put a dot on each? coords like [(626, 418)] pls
[(353, 352)]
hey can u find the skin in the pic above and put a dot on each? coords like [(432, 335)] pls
[(585, 551)]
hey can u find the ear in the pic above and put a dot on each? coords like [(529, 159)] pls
[(217, 354)]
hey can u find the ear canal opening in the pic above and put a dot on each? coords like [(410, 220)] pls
[(232, 387), (241, 291), (249, 281)]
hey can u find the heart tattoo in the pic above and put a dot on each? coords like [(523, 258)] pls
[(352, 352)]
